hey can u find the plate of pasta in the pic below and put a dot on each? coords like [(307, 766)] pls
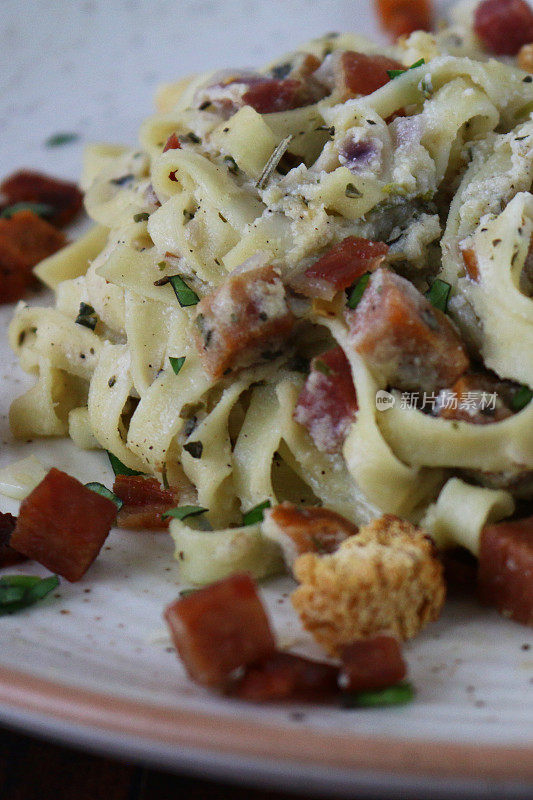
[(266, 479)]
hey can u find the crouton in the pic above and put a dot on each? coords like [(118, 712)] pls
[(386, 579)]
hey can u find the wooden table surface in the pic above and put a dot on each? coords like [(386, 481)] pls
[(31, 769)]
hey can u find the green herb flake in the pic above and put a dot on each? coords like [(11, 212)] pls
[(321, 366), (99, 488), (438, 294), (395, 73), (352, 191), (194, 449), (21, 591), (182, 512), (255, 514), (119, 468), (231, 164), (522, 398), (186, 296), (176, 363), (141, 217), (397, 695), (59, 139), (41, 209), (87, 316), (187, 592), (358, 290)]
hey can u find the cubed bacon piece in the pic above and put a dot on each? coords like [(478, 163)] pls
[(504, 25), (25, 239), (27, 186), (62, 524), (478, 398), (172, 143), (8, 556), (145, 501), (370, 664), (219, 629), (245, 320), (357, 74), (284, 676), (300, 529), (271, 95), (505, 574), (471, 263), (402, 17), (340, 267), (405, 340), (525, 58), (327, 404)]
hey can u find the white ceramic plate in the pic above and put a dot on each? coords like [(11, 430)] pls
[(93, 666)]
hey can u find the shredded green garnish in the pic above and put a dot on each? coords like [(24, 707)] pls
[(255, 514), (41, 209), (87, 316), (141, 217), (182, 512), (321, 366), (352, 191), (119, 468), (438, 294), (59, 139), (231, 164), (99, 488), (522, 398), (357, 291), (184, 293), (20, 591), (395, 73), (391, 696), (176, 363)]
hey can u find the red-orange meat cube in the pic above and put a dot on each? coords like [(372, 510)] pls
[(327, 404), (145, 500), (245, 320), (505, 575), (62, 524), (402, 17), (172, 143), (219, 629), (284, 676), (272, 95), (28, 186), (340, 267), (371, 664), (504, 25), (359, 74), (403, 338), (8, 556)]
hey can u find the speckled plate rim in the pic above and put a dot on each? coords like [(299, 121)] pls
[(158, 725)]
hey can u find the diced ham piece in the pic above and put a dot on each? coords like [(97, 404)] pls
[(172, 143), (27, 186), (505, 576), (358, 74), (284, 676), (504, 25), (327, 404), (244, 321), (471, 263), (145, 500), (371, 664), (402, 17), (8, 556), (299, 529), (219, 629), (271, 95), (340, 267), (25, 239), (405, 340), (62, 524), (477, 398)]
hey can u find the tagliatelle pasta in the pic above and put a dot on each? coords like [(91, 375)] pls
[(242, 183)]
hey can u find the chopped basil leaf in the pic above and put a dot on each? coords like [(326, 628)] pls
[(255, 514), (181, 512), (20, 591), (352, 191), (99, 488), (195, 449), (59, 139), (395, 73), (41, 209), (176, 363), (357, 291), (522, 398), (87, 316), (438, 294), (391, 696), (273, 161), (119, 468), (281, 70), (142, 217), (185, 295), (192, 137)]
